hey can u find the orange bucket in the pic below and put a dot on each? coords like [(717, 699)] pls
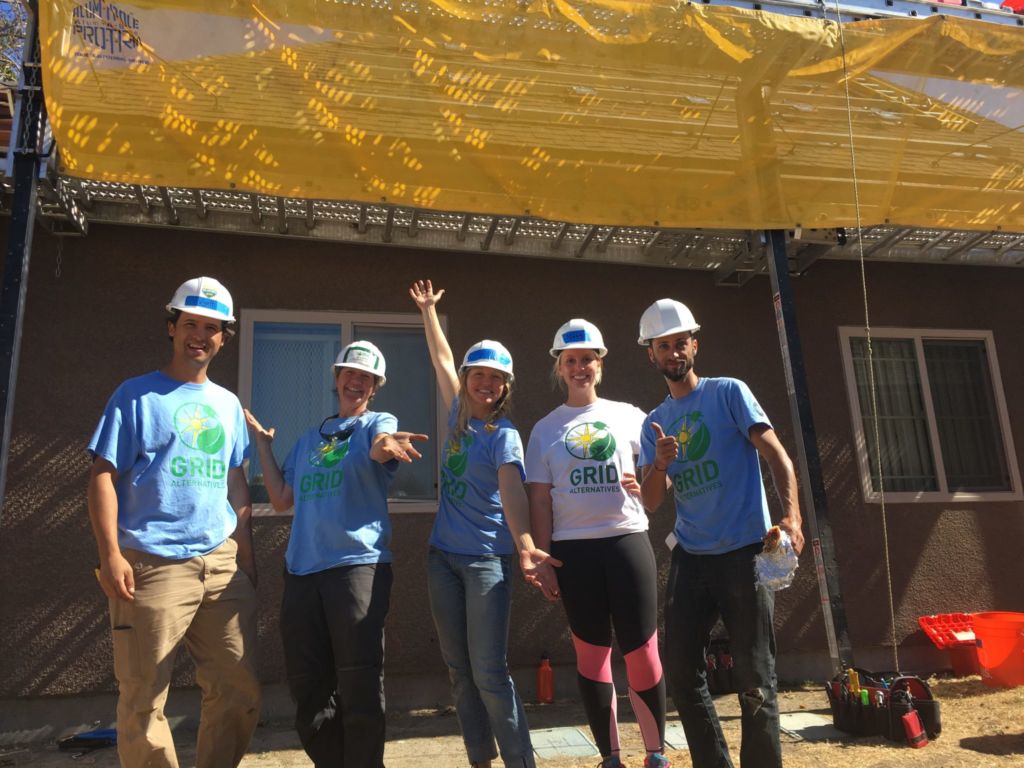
[(1000, 639)]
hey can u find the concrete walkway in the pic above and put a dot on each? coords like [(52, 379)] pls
[(421, 737)]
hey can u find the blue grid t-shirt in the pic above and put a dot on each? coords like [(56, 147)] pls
[(470, 520), (172, 444), (716, 478), (341, 495)]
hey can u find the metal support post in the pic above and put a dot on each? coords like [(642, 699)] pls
[(815, 503), (26, 149)]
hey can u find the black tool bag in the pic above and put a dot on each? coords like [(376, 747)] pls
[(889, 697)]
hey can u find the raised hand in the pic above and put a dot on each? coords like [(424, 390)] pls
[(666, 449), (422, 292)]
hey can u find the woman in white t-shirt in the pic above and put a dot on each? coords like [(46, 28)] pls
[(481, 530), (585, 509)]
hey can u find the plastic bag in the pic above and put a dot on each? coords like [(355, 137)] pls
[(776, 567)]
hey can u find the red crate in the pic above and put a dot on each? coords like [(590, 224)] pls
[(948, 630)]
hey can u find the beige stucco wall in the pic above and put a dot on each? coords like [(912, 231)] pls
[(98, 320)]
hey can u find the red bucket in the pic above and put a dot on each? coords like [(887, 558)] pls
[(1000, 639)]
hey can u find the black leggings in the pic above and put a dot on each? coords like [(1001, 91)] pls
[(613, 582)]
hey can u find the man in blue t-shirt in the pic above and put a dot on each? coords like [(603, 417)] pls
[(170, 510), (704, 442)]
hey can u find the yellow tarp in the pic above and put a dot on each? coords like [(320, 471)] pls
[(604, 112)]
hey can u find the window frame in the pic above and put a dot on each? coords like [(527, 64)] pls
[(918, 336), (346, 320)]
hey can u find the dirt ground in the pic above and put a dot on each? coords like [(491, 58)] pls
[(981, 727)]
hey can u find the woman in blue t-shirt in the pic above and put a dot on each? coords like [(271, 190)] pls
[(482, 521), (338, 578)]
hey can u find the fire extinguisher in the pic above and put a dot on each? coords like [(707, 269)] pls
[(545, 681)]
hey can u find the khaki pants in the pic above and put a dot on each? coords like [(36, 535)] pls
[(211, 605)]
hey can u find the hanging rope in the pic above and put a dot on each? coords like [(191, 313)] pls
[(870, 351)]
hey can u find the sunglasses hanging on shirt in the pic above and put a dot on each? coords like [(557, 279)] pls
[(338, 435)]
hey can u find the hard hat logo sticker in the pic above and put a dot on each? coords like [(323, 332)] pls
[(362, 357), (592, 440), (198, 427)]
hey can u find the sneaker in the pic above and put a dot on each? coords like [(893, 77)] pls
[(612, 761), (656, 760)]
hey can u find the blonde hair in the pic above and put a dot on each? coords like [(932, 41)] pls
[(557, 382), (462, 416)]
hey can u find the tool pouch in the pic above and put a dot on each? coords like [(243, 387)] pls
[(888, 699)]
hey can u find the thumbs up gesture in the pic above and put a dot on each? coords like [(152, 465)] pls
[(666, 449)]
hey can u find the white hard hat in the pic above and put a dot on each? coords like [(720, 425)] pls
[(203, 296), (488, 354), (362, 356), (578, 334), (664, 318)]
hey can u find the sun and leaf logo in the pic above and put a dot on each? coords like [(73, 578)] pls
[(198, 426), (692, 435), (592, 440), (329, 453), (457, 455)]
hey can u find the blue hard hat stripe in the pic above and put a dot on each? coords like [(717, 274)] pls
[(574, 337), (204, 303), (488, 354)]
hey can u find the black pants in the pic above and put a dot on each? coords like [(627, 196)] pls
[(332, 628), (700, 589)]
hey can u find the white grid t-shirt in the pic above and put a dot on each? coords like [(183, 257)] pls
[(582, 452)]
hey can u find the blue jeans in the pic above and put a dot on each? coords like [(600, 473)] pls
[(471, 599), (699, 589)]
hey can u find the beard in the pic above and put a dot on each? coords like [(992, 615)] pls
[(678, 372)]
